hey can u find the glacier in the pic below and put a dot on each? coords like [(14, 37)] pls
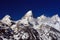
[(30, 28)]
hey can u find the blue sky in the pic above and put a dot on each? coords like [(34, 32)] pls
[(17, 8)]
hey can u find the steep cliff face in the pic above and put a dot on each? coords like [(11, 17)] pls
[(30, 28)]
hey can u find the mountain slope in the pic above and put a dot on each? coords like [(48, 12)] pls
[(30, 28)]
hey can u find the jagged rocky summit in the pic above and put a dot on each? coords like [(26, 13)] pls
[(30, 28)]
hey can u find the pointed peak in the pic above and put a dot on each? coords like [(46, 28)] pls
[(6, 20), (28, 14), (6, 16), (42, 16), (55, 16)]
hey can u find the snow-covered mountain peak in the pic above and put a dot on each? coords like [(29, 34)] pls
[(6, 20), (30, 28), (28, 14)]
